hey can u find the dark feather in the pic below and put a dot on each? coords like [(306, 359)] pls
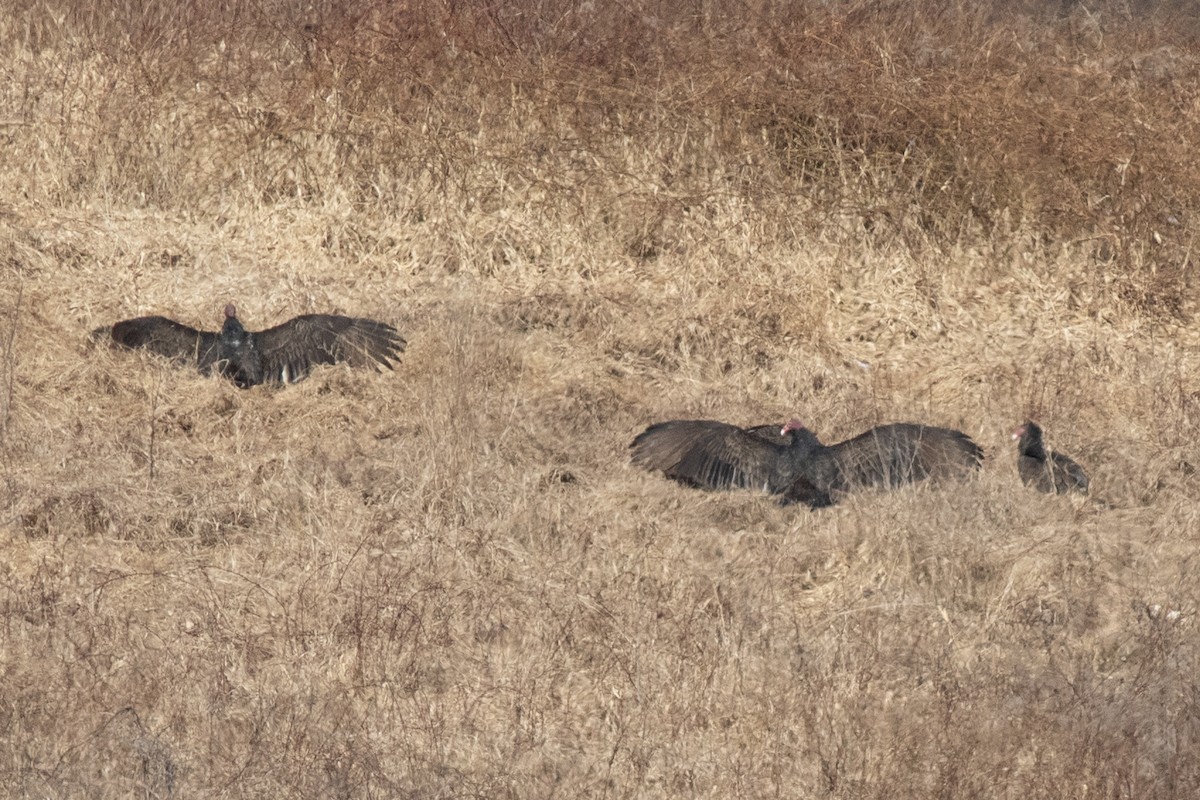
[(900, 453), (284, 354), (716, 455), (1046, 471), (163, 336), (290, 351), (789, 461), (708, 454)]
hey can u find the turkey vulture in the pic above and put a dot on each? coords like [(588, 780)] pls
[(1049, 472), (791, 462), (283, 354)]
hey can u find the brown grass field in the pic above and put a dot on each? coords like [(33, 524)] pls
[(446, 581)]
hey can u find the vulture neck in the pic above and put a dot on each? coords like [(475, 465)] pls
[(1031, 445), (232, 331)]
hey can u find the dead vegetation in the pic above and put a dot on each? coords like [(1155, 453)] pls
[(446, 581)]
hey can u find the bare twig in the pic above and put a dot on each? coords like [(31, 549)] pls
[(9, 357), (153, 425)]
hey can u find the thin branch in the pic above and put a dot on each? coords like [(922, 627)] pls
[(10, 364)]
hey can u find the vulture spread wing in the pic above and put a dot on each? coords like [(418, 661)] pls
[(290, 351), (284, 354), (903, 452), (163, 336), (711, 455), (790, 461)]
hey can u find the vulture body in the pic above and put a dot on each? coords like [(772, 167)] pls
[(285, 354), (791, 463), (1046, 471)]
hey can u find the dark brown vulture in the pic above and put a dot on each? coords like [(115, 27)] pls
[(1049, 472), (790, 461), (283, 354)]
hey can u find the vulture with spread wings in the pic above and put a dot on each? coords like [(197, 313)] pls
[(791, 463), (285, 354)]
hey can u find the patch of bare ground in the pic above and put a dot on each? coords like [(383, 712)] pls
[(446, 581)]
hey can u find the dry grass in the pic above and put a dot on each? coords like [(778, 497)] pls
[(446, 581)]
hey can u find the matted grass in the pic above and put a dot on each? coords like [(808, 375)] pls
[(446, 581)]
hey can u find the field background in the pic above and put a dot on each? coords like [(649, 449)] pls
[(446, 581)]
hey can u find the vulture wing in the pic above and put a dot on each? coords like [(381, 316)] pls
[(163, 336), (1068, 475), (1055, 474), (892, 455), (291, 350), (947, 453), (711, 455)]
